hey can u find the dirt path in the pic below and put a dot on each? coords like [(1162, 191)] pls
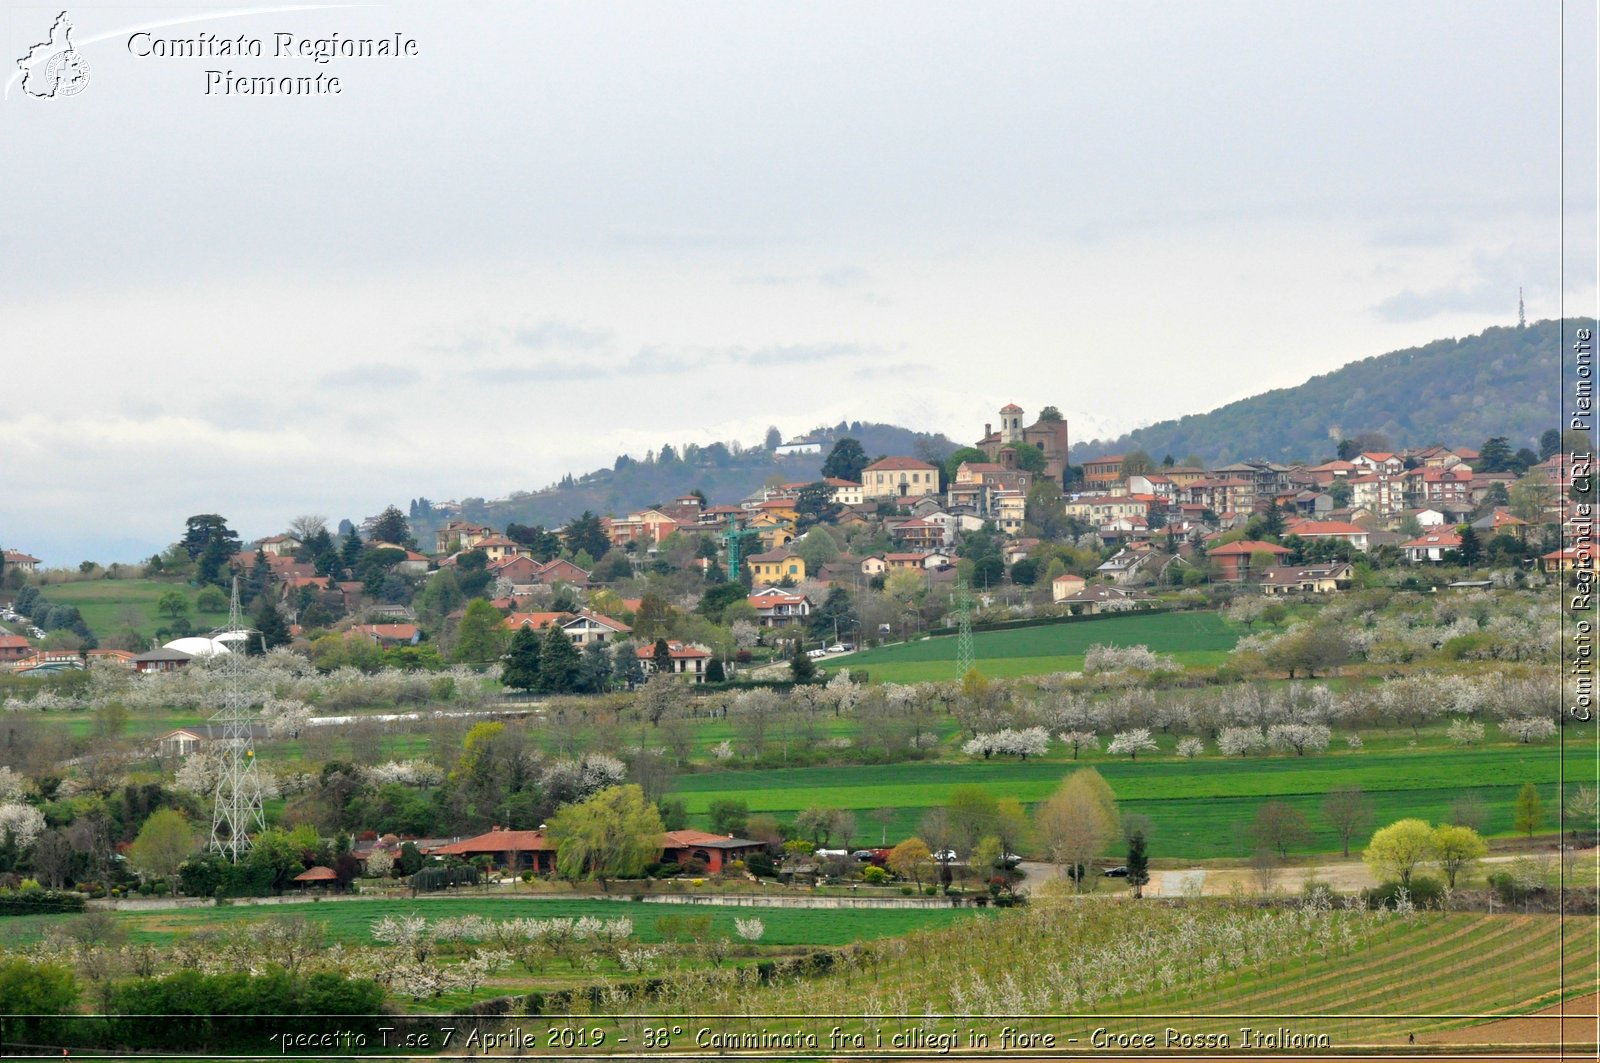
[(1571, 1023)]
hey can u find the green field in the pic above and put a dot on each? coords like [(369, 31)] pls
[(108, 605), (351, 921), (1200, 638), (1200, 808)]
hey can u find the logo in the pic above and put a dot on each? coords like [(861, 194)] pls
[(54, 68)]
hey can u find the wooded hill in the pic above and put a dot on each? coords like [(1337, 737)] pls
[(1501, 382), (724, 473)]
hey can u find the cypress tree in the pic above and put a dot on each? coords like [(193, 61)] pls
[(560, 665), (521, 668)]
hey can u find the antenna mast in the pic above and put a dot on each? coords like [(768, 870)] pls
[(236, 809), (1522, 311)]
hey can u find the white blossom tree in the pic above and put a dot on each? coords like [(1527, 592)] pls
[(1132, 743)]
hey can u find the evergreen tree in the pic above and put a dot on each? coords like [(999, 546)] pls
[(481, 637), (270, 626), (350, 551), (715, 673), (213, 563), (661, 657), (1138, 863), (630, 670), (1471, 550), (802, 667), (560, 664), (597, 668), (587, 535), (392, 527), (1549, 443), (256, 583), (1494, 455), (520, 670), (845, 461)]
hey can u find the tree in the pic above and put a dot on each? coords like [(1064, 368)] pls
[(1138, 864), (845, 461), (202, 529), (172, 604), (163, 842), (1527, 815), (911, 859), (774, 438), (1395, 851), (612, 834), (271, 631), (520, 669), (1457, 849), (1078, 821), (597, 669), (962, 456), (1494, 455), (560, 664), (1280, 826), (1131, 742), (882, 817), (1348, 811), (801, 666), (481, 637), (212, 599), (1030, 458), (973, 812), (391, 526), (586, 535), (729, 816), (1136, 463), (1471, 550), (1530, 497)]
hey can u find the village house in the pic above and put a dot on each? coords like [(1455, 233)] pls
[(686, 659), (775, 606), (460, 535), (1099, 474), (1431, 546), (1066, 585), (776, 566), (714, 851), (1234, 560), (642, 526), (899, 477), (1309, 579), (1101, 598), (14, 647), (582, 627), (845, 492), (1048, 437), (279, 545), (919, 534), (1501, 522), (389, 636), (20, 561), (179, 743), (1342, 531), (1446, 488)]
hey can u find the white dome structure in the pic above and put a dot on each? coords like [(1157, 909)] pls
[(197, 646)]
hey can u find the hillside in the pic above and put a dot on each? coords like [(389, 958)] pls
[(1504, 381), (722, 473)]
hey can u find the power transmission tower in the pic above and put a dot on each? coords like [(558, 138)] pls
[(966, 658), (236, 810)]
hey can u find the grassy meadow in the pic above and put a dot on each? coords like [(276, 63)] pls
[(1193, 638), (109, 606), (1200, 807)]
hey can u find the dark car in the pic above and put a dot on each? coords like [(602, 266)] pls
[(1119, 871), (864, 855)]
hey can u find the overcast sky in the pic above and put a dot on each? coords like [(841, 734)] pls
[(560, 232)]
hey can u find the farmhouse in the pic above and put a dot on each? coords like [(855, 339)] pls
[(715, 851)]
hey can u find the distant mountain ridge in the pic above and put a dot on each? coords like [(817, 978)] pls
[(723, 474), (1503, 381)]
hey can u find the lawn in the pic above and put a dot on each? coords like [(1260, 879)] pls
[(351, 921), (1199, 807), (108, 605), (1194, 639)]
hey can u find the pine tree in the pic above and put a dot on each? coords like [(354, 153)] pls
[(661, 657), (270, 626), (1138, 863), (801, 666), (560, 664), (350, 552), (520, 671)]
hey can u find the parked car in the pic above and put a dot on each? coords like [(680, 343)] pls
[(1010, 859), (864, 855), (816, 653), (838, 648), (945, 856), (1119, 871)]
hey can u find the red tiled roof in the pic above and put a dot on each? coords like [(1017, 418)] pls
[(1248, 546), (898, 464), (498, 841)]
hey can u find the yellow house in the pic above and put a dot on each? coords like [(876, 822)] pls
[(899, 478), (776, 566)]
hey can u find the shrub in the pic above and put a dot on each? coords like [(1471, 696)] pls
[(1424, 892), (875, 875)]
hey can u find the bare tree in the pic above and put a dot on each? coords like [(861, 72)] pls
[(1348, 811), (1280, 826), (306, 525)]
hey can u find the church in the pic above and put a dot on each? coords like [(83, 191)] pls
[(1049, 435)]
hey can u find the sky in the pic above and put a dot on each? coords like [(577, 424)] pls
[(559, 232)]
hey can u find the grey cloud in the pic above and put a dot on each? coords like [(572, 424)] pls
[(1414, 234), (547, 370), (1491, 288), (558, 334), (371, 375)]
